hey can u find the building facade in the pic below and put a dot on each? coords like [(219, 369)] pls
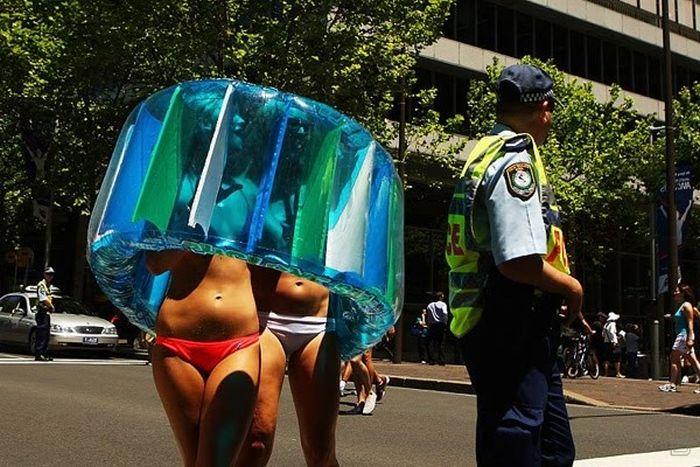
[(597, 41)]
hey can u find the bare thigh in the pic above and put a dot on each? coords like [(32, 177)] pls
[(180, 387), (227, 407), (257, 448), (313, 377)]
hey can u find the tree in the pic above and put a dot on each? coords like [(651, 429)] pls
[(604, 169)]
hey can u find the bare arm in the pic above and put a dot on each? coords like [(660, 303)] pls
[(534, 271), (688, 312), (157, 262)]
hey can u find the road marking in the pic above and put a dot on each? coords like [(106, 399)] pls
[(70, 361), (689, 457)]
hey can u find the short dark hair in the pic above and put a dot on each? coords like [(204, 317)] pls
[(687, 292)]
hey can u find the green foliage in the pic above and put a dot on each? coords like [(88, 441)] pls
[(70, 71), (599, 158)]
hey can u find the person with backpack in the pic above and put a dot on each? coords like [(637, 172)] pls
[(509, 275)]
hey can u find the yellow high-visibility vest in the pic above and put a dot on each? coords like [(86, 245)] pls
[(467, 234)]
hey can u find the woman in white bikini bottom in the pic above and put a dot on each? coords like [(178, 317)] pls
[(311, 350)]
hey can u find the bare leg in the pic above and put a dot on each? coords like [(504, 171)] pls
[(675, 367), (361, 377), (180, 387), (257, 448), (227, 407), (347, 372), (373, 375), (313, 378)]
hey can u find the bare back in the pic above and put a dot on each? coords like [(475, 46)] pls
[(210, 298)]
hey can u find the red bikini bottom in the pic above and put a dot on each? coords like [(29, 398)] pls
[(206, 355)]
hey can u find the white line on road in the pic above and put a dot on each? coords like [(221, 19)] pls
[(72, 361), (689, 457)]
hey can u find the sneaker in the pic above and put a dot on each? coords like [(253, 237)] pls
[(370, 403), (342, 388), (620, 375), (358, 409), (423, 362), (381, 387), (668, 387), (697, 391)]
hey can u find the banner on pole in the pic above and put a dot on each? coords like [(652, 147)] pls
[(684, 204)]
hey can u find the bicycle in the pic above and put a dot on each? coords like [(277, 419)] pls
[(579, 359)]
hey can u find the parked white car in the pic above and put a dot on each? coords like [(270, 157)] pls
[(72, 325)]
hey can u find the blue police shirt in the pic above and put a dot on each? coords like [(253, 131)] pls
[(512, 202)]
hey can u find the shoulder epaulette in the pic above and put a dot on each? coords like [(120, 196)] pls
[(518, 143)]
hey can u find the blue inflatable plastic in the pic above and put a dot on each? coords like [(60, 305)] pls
[(224, 167)]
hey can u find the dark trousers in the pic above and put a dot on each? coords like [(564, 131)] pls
[(42, 333), (422, 348), (511, 359), (436, 334), (632, 364)]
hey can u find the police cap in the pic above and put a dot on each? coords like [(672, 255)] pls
[(524, 84)]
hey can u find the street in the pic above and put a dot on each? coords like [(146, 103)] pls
[(107, 412)]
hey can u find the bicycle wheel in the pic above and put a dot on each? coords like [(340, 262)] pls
[(593, 368), (570, 366)]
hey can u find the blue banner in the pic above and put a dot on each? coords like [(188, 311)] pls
[(684, 203)]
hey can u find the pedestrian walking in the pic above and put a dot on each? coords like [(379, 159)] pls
[(685, 336), (632, 348), (612, 345), (45, 307), (509, 275), (419, 330), (436, 319)]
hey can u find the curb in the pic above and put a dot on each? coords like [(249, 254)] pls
[(571, 397)]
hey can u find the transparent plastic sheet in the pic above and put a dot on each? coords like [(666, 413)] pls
[(224, 167)]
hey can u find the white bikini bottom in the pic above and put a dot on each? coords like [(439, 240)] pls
[(294, 332)]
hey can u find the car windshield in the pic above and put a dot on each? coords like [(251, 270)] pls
[(68, 305)]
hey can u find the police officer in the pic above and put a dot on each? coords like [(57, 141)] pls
[(509, 275), (43, 317)]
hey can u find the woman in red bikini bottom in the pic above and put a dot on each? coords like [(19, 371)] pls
[(206, 359), (294, 315)]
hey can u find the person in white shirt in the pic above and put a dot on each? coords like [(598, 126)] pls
[(612, 345), (435, 316)]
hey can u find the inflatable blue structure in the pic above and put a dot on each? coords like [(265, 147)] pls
[(224, 167)]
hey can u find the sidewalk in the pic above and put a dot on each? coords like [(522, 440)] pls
[(634, 394)]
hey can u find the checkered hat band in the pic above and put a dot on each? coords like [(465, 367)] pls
[(537, 96)]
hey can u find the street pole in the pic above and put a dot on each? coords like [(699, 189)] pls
[(398, 336), (670, 157), (47, 233)]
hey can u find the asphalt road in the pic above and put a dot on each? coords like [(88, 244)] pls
[(74, 414)]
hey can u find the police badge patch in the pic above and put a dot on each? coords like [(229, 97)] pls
[(520, 180)]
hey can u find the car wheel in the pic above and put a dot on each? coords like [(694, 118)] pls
[(31, 343)]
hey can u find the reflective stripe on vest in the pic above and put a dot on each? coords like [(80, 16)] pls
[(465, 243)]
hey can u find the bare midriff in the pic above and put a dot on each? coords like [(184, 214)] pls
[(210, 298), (286, 294)]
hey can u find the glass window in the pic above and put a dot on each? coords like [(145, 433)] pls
[(609, 63), (506, 29), (560, 42), (461, 107), (578, 53), (626, 73), (9, 304), (640, 74), (465, 21), (682, 78), (655, 78), (445, 101), (543, 39), (595, 62), (486, 26), (524, 35)]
